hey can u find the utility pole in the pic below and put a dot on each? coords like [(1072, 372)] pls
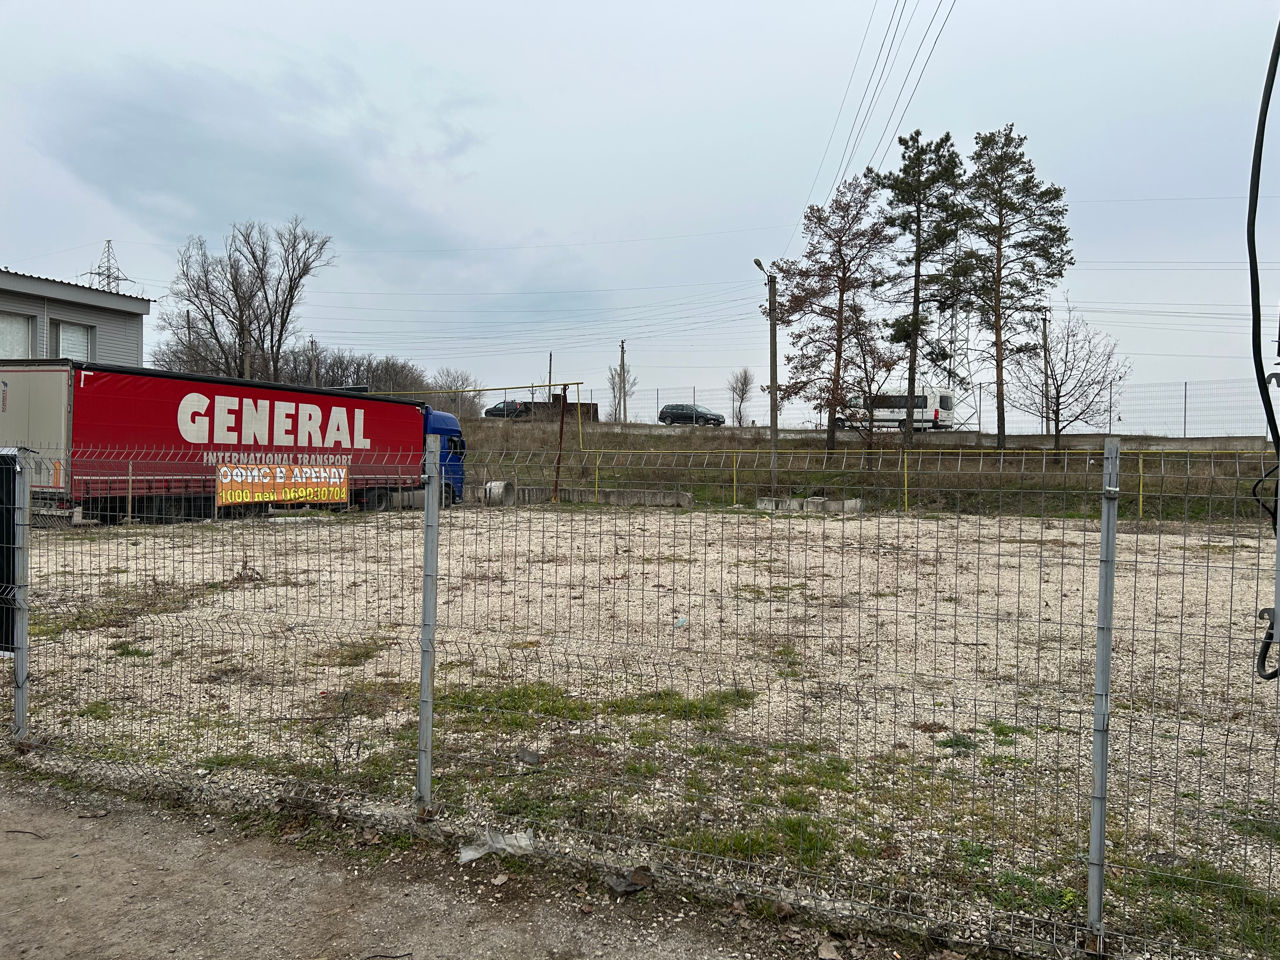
[(315, 364), (622, 378), (548, 376), (773, 377), (1044, 362)]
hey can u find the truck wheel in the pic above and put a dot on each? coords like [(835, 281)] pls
[(446, 496), (377, 500)]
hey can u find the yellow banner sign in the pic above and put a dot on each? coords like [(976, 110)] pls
[(274, 483)]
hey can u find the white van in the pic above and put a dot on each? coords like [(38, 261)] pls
[(935, 409)]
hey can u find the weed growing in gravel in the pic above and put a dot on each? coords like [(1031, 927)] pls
[(1267, 827), (521, 706), (128, 648), (794, 838), (1005, 733), (368, 698), (1013, 890), (99, 710), (670, 703), (353, 653), (1202, 904), (958, 742), (119, 606)]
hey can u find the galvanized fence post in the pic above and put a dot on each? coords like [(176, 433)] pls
[(427, 644), (1102, 687), (15, 503)]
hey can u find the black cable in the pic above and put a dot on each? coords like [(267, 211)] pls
[(1263, 501), (1255, 293), (1255, 302), (1268, 640)]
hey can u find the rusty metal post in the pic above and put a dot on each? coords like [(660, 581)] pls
[(564, 402)]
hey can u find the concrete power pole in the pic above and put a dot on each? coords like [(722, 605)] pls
[(1044, 362), (622, 378), (548, 376), (773, 378)]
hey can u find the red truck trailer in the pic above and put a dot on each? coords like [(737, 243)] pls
[(111, 442)]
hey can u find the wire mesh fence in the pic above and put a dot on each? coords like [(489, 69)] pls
[(863, 683), (1183, 408)]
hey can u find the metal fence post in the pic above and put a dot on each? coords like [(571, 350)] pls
[(15, 502), (1102, 686), (427, 645)]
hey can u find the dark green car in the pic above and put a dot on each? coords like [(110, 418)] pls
[(690, 413)]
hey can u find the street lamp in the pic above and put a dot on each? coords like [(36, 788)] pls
[(773, 375)]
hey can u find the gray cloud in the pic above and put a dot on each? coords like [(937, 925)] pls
[(202, 148)]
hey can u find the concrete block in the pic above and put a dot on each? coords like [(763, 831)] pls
[(853, 505)]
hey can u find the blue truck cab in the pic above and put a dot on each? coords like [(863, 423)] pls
[(453, 451)]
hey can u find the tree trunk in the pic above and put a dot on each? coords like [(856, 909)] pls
[(913, 344), (998, 324), (837, 371)]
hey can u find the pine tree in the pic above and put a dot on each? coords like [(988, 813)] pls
[(1018, 247), (922, 206)]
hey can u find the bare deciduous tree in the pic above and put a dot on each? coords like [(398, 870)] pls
[(825, 295), (1072, 382), (461, 398), (235, 311), (873, 360), (740, 385), (335, 369), (617, 389)]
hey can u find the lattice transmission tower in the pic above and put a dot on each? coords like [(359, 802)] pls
[(107, 275)]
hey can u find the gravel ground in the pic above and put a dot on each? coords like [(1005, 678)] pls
[(101, 877), (892, 710)]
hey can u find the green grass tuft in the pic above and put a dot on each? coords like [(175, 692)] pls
[(712, 706)]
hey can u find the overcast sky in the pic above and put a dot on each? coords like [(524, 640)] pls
[(505, 179)]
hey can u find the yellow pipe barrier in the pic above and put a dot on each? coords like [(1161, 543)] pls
[(905, 503)]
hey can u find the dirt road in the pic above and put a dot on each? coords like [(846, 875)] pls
[(97, 877)]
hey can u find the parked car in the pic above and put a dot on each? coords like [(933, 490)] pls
[(511, 409), (690, 413)]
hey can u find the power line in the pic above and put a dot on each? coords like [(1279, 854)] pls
[(906, 77), (891, 57), (895, 12), (919, 77), (834, 126), (1272, 196), (531, 293)]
